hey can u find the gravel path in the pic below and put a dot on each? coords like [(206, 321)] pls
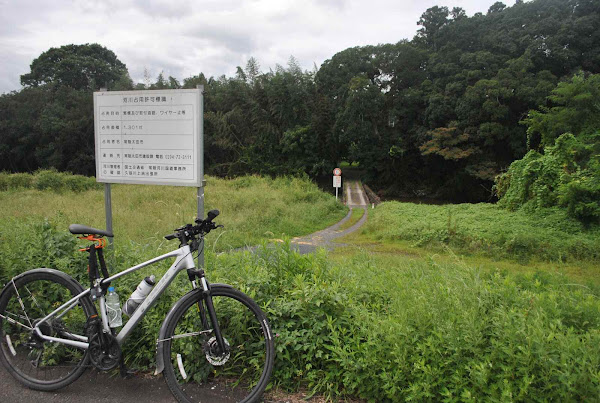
[(355, 198)]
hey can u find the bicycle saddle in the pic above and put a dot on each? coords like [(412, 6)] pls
[(85, 230)]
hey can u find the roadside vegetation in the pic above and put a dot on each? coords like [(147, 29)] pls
[(486, 229), (382, 327), (378, 326), (253, 209)]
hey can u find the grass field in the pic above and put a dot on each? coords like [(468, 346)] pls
[(252, 209), (425, 303), (485, 229)]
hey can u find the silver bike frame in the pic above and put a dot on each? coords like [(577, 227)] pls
[(183, 261)]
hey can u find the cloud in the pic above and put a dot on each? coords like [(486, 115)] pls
[(185, 37)]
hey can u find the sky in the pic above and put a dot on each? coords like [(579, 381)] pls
[(185, 37)]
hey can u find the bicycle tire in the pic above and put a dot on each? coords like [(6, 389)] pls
[(57, 365), (245, 374)]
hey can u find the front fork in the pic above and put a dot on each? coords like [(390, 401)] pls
[(210, 308)]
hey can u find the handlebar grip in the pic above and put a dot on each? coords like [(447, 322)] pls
[(212, 214), (170, 237)]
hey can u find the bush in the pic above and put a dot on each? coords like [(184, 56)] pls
[(20, 181), (566, 175), (4, 181), (383, 330), (47, 180), (78, 183), (581, 195)]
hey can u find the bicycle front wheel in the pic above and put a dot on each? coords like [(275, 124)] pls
[(33, 361), (195, 369)]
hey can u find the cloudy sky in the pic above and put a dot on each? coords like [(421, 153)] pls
[(186, 37)]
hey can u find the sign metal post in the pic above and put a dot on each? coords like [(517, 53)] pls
[(201, 163)]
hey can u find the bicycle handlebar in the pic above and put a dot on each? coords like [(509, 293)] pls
[(189, 232)]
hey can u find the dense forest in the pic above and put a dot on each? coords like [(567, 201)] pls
[(439, 116)]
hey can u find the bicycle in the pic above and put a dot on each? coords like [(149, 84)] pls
[(51, 329)]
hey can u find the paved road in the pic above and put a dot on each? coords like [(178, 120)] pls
[(92, 387), (97, 387)]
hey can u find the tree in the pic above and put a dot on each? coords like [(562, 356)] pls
[(431, 20), (88, 67), (458, 13), (575, 108), (496, 7), (567, 173), (194, 81), (252, 69)]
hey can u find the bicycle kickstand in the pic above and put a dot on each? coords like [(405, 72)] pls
[(125, 372)]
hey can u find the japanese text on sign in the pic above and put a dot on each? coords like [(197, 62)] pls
[(148, 137)]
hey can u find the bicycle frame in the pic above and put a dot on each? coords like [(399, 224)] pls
[(183, 261)]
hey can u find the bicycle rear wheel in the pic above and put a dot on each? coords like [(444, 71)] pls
[(195, 372), (36, 363)]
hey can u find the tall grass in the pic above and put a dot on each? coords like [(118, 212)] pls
[(380, 327), (486, 229), (252, 209), (383, 328)]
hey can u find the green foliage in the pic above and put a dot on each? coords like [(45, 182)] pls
[(437, 116), (50, 179), (89, 66), (582, 194), (567, 174), (252, 208), (47, 180), (18, 181), (576, 109), (378, 328), (487, 229)]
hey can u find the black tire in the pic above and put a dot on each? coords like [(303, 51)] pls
[(244, 375), (36, 363)]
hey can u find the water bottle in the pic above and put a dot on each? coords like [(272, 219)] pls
[(113, 308), (139, 295)]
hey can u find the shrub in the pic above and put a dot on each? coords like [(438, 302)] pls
[(566, 175), (20, 181), (78, 183), (381, 329), (4, 181), (48, 179), (581, 195)]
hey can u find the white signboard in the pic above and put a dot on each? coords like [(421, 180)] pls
[(148, 137), (337, 181)]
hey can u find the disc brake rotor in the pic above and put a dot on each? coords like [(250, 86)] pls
[(211, 352)]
